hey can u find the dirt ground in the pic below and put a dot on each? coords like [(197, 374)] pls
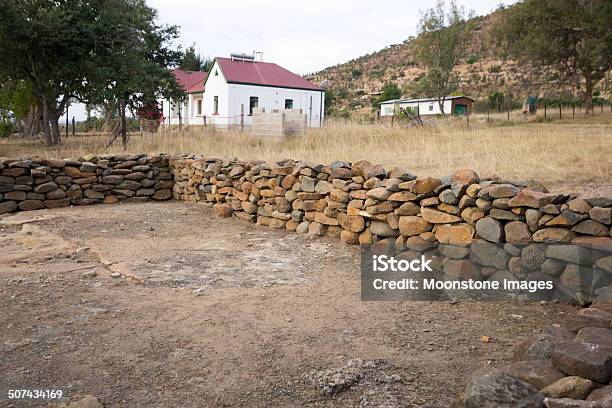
[(162, 305)]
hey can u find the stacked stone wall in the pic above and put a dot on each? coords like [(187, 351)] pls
[(36, 183)]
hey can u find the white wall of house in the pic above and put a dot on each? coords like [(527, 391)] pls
[(189, 114), (216, 86), (425, 107), (270, 98)]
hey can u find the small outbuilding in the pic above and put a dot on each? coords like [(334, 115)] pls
[(454, 105)]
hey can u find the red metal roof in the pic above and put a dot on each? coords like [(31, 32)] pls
[(262, 73), (190, 81)]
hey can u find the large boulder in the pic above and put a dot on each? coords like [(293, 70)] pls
[(569, 403), (539, 373), (490, 229), (438, 217), (488, 254), (491, 388), (569, 387), (533, 199), (382, 229), (413, 225), (602, 396), (586, 360), (354, 223)]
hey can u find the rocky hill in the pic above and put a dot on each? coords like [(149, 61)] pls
[(357, 82)]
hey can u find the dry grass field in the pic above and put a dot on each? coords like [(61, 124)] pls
[(567, 154)]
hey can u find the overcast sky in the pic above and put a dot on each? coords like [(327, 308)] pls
[(303, 37)]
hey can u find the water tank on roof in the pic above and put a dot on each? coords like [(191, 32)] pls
[(242, 57)]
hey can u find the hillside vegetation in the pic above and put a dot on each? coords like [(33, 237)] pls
[(483, 72)]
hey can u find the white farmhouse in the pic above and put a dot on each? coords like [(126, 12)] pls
[(190, 111), (453, 105), (235, 86)]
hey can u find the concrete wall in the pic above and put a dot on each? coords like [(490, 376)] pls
[(278, 123)]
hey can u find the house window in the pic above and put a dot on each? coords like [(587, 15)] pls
[(199, 106), (430, 108), (216, 73), (288, 103), (388, 111), (253, 103), (216, 105)]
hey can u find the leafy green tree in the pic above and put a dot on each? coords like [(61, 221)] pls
[(18, 109), (91, 51), (390, 91), (574, 36), (496, 100), (192, 61), (442, 42), (330, 101)]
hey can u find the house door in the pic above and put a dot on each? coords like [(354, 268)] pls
[(461, 110)]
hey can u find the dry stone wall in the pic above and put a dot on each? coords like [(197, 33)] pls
[(363, 203), (35, 183)]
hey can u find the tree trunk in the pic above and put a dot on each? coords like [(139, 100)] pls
[(31, 123), (56, 135), (109, 109), (45, 123), (441, 104), (588, 95)]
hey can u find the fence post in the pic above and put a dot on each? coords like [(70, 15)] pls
[(488, 113), (73, 127), (559, 111), (242, 117), (67, 127), (467, 116), (545, 111), (508, 106), (180, 114)]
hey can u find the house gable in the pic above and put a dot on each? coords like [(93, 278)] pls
[(262, 74)]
